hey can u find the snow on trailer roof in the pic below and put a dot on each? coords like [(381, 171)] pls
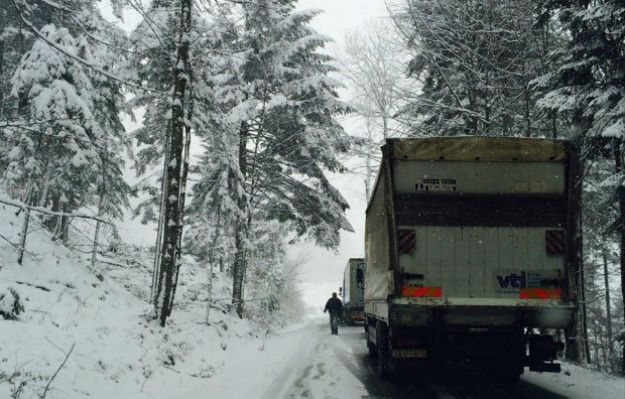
[(479, 148), (472, 148)]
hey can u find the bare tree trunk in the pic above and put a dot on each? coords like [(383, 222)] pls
[(183, 192), (368, 170), (618, 163), (242, 230), (574, 257), (608, 305), (96, 236), (528, 119), (23, 236), (173, 213), (384, 127), (584, 324), (160, 226)]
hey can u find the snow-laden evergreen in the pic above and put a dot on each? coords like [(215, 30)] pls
[(275, 107), (69, 154), (586, 88), (474, 61)]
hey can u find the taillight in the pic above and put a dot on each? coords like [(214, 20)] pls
[(432, 292), (541, 293)]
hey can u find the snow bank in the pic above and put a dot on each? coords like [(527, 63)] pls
[(576, 382), (115, 350)]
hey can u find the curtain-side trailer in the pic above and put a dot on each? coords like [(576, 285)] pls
[(471, 246), (353, 291)]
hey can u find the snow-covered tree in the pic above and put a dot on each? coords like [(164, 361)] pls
[(474, 60), (74, 158), (277, 106), (162, 60), (587, 87), (374, 64)]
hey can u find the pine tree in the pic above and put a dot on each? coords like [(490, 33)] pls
[(76, 153), (162, 60), (64, 112), (588, 86), (276, 104), (475, 61)]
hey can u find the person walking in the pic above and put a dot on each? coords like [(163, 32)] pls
[(335, 307)]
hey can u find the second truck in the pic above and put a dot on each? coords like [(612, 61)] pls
[(471, 246), (352, 291)]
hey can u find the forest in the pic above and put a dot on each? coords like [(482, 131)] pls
[(220, 123)]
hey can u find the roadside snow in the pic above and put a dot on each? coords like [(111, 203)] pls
[(575, 382), (117, 351)]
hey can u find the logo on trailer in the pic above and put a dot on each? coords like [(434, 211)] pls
[(512, 280), (436, 185)]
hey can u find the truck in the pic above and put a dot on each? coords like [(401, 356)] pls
[(352, 291), (471, 245)]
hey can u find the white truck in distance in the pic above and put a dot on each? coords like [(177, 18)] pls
[(353, 291)]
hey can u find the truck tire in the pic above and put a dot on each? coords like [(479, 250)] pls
[(347, 318), (384, 366), (508, 374), (373, 351)]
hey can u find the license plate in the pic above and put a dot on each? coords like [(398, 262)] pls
[(410, 353)]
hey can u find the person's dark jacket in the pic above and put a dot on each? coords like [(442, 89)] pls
[(334, 306)]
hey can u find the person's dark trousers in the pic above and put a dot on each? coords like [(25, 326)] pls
[(334, 323)]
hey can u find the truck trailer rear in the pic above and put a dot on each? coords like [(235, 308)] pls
[(471, 245), (353, 291)]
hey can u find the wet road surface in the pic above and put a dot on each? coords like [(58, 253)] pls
[(340, 367)]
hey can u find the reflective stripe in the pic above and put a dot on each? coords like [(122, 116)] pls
[(435, 292), (407, 241), (541, 293)]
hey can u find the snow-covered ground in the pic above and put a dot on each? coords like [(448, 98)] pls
[(99, 316), (324, 366)]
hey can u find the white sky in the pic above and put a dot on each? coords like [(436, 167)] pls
[(323, 270)]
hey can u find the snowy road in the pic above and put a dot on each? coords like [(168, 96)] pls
[(324, 366)]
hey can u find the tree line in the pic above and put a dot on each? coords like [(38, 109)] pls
[(244, 83), (539, 68)]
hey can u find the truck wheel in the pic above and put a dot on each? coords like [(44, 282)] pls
[(508, 374), (383, 350), (373, 350)]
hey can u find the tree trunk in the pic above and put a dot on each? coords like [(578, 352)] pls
[(574, 257), (173, 213), (183, 190), (618, 164), (240, 266), (96, 236), (584, 324), (158, 249), (23, 236), (242, 230), (608, 307), (368, 170)]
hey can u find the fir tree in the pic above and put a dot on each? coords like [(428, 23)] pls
[(588, 87), (76, 153), (475, 61), (277, 104)]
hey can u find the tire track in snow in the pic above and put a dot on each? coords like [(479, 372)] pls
[(297, 364)]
